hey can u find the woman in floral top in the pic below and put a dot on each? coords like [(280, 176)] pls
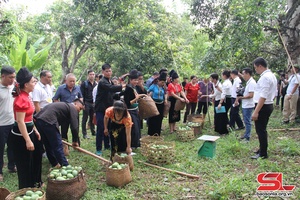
[(119, 127)]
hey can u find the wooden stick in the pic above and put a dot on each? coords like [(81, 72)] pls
[(285, 129), (171, 170), (86, 152)]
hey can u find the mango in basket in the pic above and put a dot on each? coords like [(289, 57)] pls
[(65, 173), (30, 195), (116, 165)]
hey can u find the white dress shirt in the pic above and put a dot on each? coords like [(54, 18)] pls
[(42, 94), (226, 89), (292, 82), (266, 87), (250, 87), (235, 85), (217, 93)]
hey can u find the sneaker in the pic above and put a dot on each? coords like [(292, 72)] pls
[(14, 170), (86, 137), (99, 153)]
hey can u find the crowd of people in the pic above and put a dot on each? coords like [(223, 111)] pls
[(36, 118)]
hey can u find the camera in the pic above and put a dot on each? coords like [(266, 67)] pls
[(240, 90)]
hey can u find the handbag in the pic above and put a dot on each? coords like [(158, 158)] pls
[(222, 109)]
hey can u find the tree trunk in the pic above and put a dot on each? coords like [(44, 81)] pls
[(290, 30), (65, 55)]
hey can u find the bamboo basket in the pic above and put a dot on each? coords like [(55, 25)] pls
[(23, 191), (196, 118), (185, 135), (147, 140), (72, 189), (147, 108), (128, 159), (179, 105), (4, 193), (160, 156), (118, 177)]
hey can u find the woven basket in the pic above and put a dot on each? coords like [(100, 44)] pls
[(23, 191), (4, 193), (197, 130), (185, 135), (72, 189), (196, 118), (179, 105), (147, 108), (167, 108), (147, 140), (128, 159), (161, 156), (118, 177)]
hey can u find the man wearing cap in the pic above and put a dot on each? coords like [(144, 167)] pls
[(291, 97), (47, 122), (150, 80), (8, 76)]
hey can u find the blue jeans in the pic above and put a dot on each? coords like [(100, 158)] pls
[(100, 132), (247, 113), (4, 132), (52, 141)]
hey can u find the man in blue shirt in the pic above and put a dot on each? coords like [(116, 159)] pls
[(67, 92)]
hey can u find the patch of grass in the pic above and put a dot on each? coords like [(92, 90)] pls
[(230, 175)]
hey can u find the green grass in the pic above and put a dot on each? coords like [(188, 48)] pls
[(230, 175)]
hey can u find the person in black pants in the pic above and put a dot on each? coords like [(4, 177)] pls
[(264, 95), (47, 122), (86, 88)]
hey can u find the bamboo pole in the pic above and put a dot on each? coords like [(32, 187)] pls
[(86, 152), (289, 57), (285, 129), (171, 170)]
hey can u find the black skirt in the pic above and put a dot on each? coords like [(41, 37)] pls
[(118, 140), (29, 163), (136, 129), (154, 123), (174, 116)]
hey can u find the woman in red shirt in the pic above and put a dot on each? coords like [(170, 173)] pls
[(175, 92), (24, 139), (191, 92), (119, 128)]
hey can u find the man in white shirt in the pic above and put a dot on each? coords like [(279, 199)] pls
[(8, 76), (247, 101), (291, 98), (264, 95), (235, 108), (42, 93)]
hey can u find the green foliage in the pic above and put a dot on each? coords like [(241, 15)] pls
[(19, 56), (240, 31)]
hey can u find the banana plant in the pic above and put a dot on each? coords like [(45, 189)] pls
[(19, 56)]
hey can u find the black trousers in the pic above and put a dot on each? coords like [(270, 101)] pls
[(88, 112), (29, 163), (190, 108), (261, 128), (202, 105), (235, 116), (4, 132), (154, 123)]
